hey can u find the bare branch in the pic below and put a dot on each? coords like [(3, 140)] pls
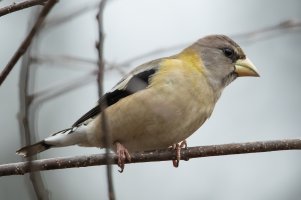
[(287, 25), (19, 6), (152, 156), (26, 43), (112, 66), (104, 127), (99, 47), (55, 21), (62, 59), (26, 116), (61, 88), (151, 53), (26, 125), (252, 36)]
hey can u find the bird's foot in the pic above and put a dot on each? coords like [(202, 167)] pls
[(123, 155), (178, 148)]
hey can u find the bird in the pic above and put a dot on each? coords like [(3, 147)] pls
[(159, 104)]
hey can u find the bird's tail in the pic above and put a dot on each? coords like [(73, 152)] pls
[(33, 149), (67, 137)]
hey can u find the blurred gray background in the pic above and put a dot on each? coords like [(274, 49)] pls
[(250, 109)]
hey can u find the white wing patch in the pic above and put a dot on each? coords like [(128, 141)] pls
[(69, 137), (144, 67)]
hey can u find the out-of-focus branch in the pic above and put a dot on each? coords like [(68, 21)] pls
[(151, 53), (287, 25), (66, 59), (26, 43), (252, 36), (19, 6), (61, 88), (55, 21), (152, 156), (101, 69), (26, 117), (99, 47)]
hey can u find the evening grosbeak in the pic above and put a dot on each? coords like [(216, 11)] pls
[(159, 103)]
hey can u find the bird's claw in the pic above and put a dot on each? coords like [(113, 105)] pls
[(123, 155), (178, 148)]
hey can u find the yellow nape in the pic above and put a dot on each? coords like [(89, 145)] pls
[(188, 61), (191, 59), (186, 65)]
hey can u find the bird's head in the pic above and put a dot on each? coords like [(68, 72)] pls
[(223, 60)]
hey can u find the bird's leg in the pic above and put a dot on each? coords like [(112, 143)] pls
[(178, 148), (123, 155)]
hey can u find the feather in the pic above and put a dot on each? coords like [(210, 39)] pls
[(137, 80)]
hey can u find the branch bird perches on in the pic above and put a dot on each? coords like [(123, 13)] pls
[(152, 156)]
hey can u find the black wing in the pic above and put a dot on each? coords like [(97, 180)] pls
[(137, 80)]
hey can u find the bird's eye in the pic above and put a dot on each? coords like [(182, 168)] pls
[(228, 52)]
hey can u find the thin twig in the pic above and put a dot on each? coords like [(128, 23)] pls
[(251, 36), (75, 13), (258, 34), (19, 6), (99, 47), (150, 53), (112, 66), (62, 59), (104, 127), (153, 156), (26, 43), (24, 124), (61, 88), (25, 114)]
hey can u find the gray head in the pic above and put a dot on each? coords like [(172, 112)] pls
[(223, 60)]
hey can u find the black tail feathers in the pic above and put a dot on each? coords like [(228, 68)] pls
[(33, 149)]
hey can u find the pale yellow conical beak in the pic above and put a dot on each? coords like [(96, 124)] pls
[(244, 67)]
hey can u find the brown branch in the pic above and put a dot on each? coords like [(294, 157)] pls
[(26, 43), (152, 156), (20, 6), (104, 127)]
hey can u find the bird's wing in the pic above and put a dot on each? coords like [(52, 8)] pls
[(136, 80)]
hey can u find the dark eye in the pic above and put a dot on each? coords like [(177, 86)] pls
[(228, 52)]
